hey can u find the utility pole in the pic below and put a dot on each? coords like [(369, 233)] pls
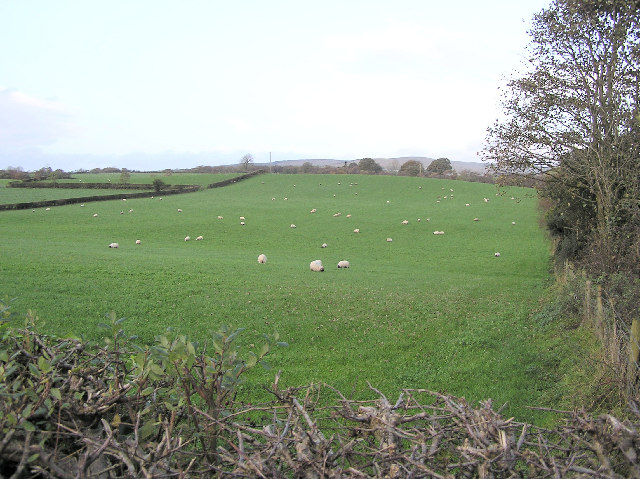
[(269, 162)]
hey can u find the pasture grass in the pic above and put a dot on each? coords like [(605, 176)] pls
[(423, 311)]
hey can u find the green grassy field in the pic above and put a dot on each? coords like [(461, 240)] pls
[(433, 311)]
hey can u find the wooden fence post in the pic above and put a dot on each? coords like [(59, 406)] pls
[(634, 351), (587, 302), (600, 313)]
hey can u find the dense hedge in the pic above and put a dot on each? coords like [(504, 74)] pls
[(72, 409), (170, 190), (78, 186)]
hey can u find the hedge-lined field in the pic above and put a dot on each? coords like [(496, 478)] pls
[(202, 179), (25, 195), (436, 311)]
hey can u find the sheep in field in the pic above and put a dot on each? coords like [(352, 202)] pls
[(95, 215), (292, 225), (316, 265), (242, 223), (199, 238), (138, 242), (405, 222), (242, 218), (343, 264), (357, 230), (389, 240), (220, 217), (497, 255), (114, 245), (313, 211), (324, 245), (187, 238), (438, 232), (262, 259), (179, 210)]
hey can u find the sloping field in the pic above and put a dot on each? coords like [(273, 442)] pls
[(434, 311)]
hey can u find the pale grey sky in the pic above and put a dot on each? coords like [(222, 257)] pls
[(166, 84)]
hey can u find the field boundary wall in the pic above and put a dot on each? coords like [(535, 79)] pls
[(173, 190)]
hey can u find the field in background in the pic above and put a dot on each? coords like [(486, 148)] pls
[(433, 311)]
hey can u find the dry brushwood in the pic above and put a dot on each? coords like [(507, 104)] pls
[(72, 410)]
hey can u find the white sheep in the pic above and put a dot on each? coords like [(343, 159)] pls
[(389, 240), (130, 210), (476, 219), (199, 238), (324, 245), (343, 264), (513, 222), (313, 211), (242, 218), (220, 217), (316, 265), (357, 230), (405, 222), (179, 210), (497, 255), (273, 198), (121, 212), (114, 245), (47, 209), (466, 204), (438, 232), (348, 216), (292, 225), (95, 215), (82, 205), (242, 223), (187, 238), (262, 259), (138, 242), (337, 214)]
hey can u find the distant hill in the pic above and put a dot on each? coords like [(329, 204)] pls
[(386, 163)]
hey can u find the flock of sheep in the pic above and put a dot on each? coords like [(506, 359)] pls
[(316, 265)]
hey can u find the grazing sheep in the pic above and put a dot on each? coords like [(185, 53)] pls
[(389, 240), (316, 266), (121, 212), (95, 215), (418, 220), (273, 198), (497, 255), (262, 259), (131, 210), (242, 223), (387, 201), (292, 225), (138, 242), (199, 238), (187, 238), (357, 230), (47, 209), (313, 211), (324, 245), (337, 214), (124, 199), (285, 198), (513, 222), (405, 222), (348, 216), (343, 264), (466, 204), (438, 232), (486, 200), (82, 205), (476, 219), (419, 187), (179, 210), (220, 217), (242, 218), (114, 245)]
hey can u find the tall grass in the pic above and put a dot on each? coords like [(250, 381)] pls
[(433, 311)]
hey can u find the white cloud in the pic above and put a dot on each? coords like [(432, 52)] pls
[(29, 122)]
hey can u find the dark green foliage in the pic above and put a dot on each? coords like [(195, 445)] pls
[(158, 185), (410, 168), (368, 165), (440, 166)]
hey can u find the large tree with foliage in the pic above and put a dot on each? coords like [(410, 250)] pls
[(410, 168), (572, 118), (440, 166), (369, 165)]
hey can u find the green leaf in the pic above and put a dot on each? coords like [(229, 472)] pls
[(28, 426), (253, 359), (147, 391), (146, 430), (283, 344), (33, 457), (264, 350), (55, 392)]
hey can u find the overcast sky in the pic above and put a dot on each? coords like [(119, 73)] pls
[(166, 84)]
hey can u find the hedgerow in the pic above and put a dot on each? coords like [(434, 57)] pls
[(70, 408)]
